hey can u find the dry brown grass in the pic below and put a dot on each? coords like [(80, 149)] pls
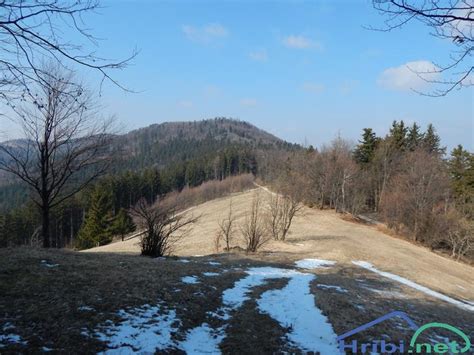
[(324, 234), (44, 303)]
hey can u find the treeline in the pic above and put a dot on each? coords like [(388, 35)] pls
[(113, 194), (404, 179)]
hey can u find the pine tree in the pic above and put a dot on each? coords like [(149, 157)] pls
[(461, 169), (431, 141), (97, 227), (398, 135), (414, 137), (364, 152), (123, 224)]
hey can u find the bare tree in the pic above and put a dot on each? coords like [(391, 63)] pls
[(415, 193), (449, 20), (226, 229), (164, 226), (64, 146), (30, 35), (282, 208), (253, 230)]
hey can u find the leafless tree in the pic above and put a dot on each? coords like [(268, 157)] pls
[(253, 230), (282, 208), (416, 193), (30, 34), (449, 20), (163, 224), (226, 229), (64, 146)]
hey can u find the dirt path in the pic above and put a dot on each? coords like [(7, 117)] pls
[(324, 235)]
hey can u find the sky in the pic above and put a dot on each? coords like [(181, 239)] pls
[(305, 71)]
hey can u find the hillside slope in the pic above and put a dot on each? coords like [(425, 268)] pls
[(323, 234)]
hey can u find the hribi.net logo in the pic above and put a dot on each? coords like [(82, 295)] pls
[(458, 343)]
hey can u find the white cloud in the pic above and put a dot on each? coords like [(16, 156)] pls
[(314, 88), (205, 34), (259, 55), (301, 42), (248, 102), (409, 76)]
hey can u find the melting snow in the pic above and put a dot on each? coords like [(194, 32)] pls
[(47, 264), (202, 339), (293, 306), (213, 263), (183, 261), (189, 280), (210, 273), (10, 337), (150, 328), (314, 263), (146, 329), (414, 285), (332, 287)]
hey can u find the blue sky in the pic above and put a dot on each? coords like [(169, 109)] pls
[(304, 71)]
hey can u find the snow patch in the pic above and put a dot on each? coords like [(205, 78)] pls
[(210, 273), (332, 287), (214, 263), (144, 329), (409, 283), (202, 340), (293, 306), (10, 337), (85, 309), (314, 263), (190, 280), (45, 263), (183, 261)]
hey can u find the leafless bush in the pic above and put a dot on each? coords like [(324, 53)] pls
[(213, 189), (455, 231), (281, 211), (253, 230), (226, 229), (164, 226)]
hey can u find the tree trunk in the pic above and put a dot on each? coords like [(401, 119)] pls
[(45, 224)]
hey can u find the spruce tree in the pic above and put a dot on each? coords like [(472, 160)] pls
[(397, 135), (364, 152), (461, 169), (432, 142), (123, 224), (414, 137), (97, 227)]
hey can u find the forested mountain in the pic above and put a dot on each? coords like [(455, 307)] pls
[(161, 144), (185, 153)]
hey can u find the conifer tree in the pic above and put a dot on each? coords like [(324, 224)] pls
[(397, 135), (97, 227), (414, 137), (432, 141), (364, 152), (123, 224)]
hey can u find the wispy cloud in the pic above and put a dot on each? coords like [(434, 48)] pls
[(248, 102), (259, 55), (206, 33), (315, 88), (301, 42), (409, 76)]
